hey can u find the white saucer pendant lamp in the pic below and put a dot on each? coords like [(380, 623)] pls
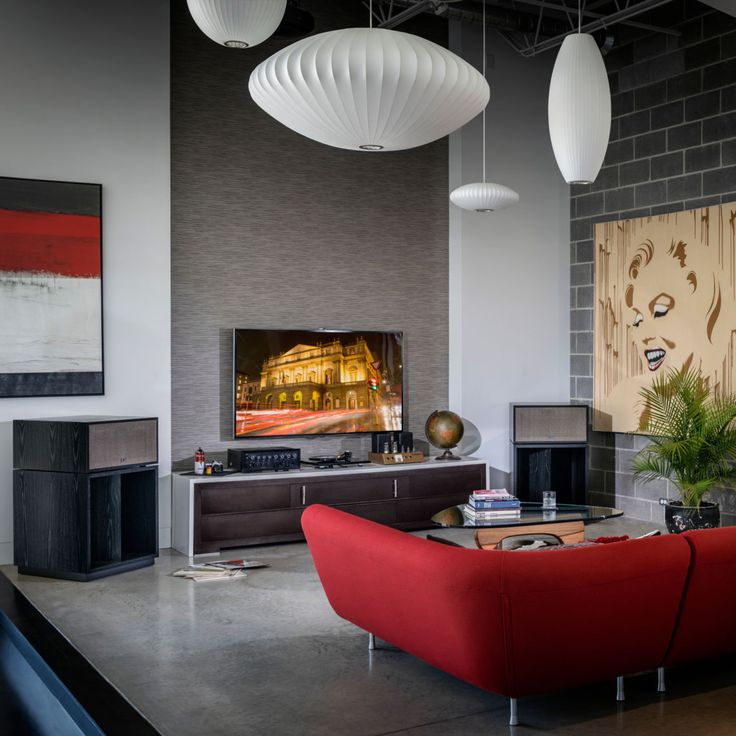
[(483, 196), (369, 89), (579, 109), (237, 24)]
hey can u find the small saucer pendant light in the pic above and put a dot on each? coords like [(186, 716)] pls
[(579, 109), (483, 196), (238, 24), (368, 89)]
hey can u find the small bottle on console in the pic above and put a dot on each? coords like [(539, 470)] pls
[(199, 462)]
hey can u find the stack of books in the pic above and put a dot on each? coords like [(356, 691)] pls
[(492, 504)]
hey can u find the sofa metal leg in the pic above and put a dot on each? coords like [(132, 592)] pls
[(620, 689), (513, 719), (371, 642), (660, 680)]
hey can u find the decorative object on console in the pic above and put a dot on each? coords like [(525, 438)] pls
[(199, 462), (693, 445), (237, 24), (85, 495), (579, 108), (50, 288), (307, 382), (392, 442), (664, 299), (483, 196), (444, 429), (392, 458), (369, 89)]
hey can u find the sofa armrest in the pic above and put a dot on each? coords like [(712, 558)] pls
[(442, 604), (709, 601), (591, 613)]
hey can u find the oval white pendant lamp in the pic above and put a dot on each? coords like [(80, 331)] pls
[(237, 24), (369, 89), (483, 196), (579, 109)]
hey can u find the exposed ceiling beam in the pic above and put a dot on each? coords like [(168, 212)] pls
[(410, 12), (510, 21), (590, 13), (617, 17)]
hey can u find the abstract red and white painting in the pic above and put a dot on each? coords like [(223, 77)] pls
[(50, 288)]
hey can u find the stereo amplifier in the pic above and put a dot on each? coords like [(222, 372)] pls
[(251, 460)]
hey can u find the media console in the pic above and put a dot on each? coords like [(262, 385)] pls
[(213, 513)]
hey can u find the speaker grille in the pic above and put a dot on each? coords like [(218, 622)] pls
[(550, 423), (117, 444)]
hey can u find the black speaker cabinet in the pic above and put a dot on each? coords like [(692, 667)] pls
[(84, 444), (549, 423), (85, 495)]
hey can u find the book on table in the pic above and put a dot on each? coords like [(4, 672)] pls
[(492, 500), (490, 514), (507, 503)]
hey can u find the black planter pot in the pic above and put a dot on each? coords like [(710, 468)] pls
[(679, 518)]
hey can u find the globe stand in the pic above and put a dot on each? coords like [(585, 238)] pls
[(447, 455)]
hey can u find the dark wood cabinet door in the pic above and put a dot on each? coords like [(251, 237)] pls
[(50, 521), (215, 531), (443, 482), (383, 513), (220, 498), (421, 510), (347, 490)]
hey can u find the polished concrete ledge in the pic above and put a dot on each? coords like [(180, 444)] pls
[(267, 656)]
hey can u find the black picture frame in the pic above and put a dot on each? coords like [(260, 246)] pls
[(51, 288)]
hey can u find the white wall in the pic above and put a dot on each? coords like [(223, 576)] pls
[(84, 94), (509, 270)]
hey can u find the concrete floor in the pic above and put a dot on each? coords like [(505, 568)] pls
[(267, 656)]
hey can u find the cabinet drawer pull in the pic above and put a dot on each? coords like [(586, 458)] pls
[(396, 488), (304, 495)]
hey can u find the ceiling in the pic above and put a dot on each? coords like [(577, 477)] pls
[(534, 26)]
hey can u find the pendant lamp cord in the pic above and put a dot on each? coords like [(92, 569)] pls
[(580, 15), (484, 76), (370, 12)]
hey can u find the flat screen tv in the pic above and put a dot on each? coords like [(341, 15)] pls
[(316, 382)]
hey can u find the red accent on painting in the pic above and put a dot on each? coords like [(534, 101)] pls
[(47, 242)]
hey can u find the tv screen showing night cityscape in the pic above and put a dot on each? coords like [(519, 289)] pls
[(316, 382)]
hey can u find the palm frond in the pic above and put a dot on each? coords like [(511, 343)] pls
[(693, 434)]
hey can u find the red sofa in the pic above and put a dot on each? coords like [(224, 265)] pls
[(520, 623)]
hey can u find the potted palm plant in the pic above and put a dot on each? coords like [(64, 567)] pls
[(693, 444)]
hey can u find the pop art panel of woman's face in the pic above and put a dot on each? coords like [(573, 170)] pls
[(672, 308)]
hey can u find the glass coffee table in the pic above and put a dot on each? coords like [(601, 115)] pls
[(567, 522)]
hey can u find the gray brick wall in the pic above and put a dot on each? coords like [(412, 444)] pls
[(672, 147)]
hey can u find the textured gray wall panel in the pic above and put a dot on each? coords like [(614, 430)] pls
[(270, 229)]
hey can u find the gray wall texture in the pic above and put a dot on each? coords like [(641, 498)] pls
[(673, 147), (273, 230)]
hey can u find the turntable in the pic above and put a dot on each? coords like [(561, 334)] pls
[(343, 460)]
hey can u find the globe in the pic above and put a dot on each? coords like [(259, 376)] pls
[(444, 429)]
